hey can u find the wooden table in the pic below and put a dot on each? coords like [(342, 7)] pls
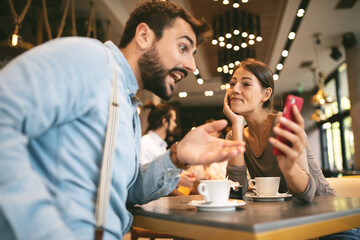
[(289, 219)]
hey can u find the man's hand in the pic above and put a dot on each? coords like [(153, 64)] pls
[(198, 147)]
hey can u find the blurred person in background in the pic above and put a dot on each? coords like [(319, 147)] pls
[(161, 125)]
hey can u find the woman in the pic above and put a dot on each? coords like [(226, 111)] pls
[(249, 98)]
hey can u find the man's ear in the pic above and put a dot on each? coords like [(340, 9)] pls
[(163, 121), (144, 36)]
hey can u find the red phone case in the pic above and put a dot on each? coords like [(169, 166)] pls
[(287, 113)]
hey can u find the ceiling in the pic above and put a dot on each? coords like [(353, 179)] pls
[(277, 17)]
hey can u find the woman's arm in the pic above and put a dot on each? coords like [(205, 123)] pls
[(236, 169), (237, 122)]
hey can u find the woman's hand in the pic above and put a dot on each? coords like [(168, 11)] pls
[(233, 117), (187, 179), (294, 163), (296, 137)]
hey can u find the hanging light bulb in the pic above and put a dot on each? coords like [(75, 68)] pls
[(321, 97), (318, 115), (15, 38)]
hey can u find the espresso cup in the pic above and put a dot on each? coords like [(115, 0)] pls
[(265, 186), (215, 191)]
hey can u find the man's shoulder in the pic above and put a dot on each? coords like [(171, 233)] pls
[(78, 41), (146, 137)]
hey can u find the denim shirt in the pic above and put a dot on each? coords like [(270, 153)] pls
[(54, 103)]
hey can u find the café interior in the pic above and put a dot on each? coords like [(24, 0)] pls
[(312, 47)]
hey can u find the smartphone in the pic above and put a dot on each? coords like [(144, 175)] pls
[(287, 113)]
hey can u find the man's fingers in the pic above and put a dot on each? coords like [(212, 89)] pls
[(215, 126), (225, 154), (231, 143)]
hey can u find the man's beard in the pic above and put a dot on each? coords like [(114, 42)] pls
[(153, 74), (168, 132), (169, 136)]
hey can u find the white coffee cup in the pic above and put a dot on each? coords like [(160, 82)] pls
[(265, 186), (215, 191)]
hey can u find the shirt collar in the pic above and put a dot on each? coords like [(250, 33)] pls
[(157, 139), (130, 80)]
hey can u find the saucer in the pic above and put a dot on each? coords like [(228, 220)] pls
[(275, 198), (229, 206)]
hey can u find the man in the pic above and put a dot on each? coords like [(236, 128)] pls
[(161, 124), (54, 104)]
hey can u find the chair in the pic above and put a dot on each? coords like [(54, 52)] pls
[(346, 186), (137, 233)]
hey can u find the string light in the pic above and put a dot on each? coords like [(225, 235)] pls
[(285, 53), (300, 13), (209, 93), (15, 37), (292, 35), (182, 94), (275, 77), (235, 4)]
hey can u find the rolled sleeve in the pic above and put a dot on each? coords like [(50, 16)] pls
[(156, 179)]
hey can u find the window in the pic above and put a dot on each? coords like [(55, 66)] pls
[(336, 132)]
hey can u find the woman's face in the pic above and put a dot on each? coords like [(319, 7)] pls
[(245, 92)]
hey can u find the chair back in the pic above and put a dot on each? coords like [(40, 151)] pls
[(346, 186)]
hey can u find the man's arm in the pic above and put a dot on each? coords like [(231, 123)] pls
[(198, 147), (38, 91)]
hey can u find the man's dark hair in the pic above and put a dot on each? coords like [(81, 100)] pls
[(157, 114), (159, 15)]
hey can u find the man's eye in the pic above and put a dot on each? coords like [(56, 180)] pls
[(182, 48)]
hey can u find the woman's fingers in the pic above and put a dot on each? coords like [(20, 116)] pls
[(226, 99), (298, 118), (295, 129), (287, 150)]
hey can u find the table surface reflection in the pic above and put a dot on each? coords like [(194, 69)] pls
[(255, 220)]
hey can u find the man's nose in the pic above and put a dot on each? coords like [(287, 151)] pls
[(190, 64)]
